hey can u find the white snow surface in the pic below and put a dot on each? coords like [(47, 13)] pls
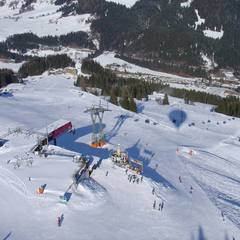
[(127, 3), (10, 65), (42, 20), (214, 34), (200, 20), (186, 4), (108, 60), (206, 156), (76, 54)]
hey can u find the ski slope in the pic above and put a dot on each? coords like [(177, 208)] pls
[(43, 19), (111, 207)]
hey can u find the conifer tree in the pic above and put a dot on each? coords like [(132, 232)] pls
[(125, 98), (132, 105), (113, 96), (165, 100)]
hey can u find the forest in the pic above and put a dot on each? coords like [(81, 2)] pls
[(38, 65), (123, 91)]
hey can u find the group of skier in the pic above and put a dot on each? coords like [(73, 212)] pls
[(134, 178), (160, 204), (191, 188)]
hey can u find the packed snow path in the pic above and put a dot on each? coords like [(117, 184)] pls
[(109, 206)]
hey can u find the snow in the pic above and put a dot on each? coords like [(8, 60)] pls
[(76, 54), (213, 34), (108, 60), (209, 63), (53, 126), (43, 20), (110, 207), (10, 65), (186, 4), (219, 91), (200, 20), (127, 3)]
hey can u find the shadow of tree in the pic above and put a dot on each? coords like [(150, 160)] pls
[(7, 236), (140, 107)]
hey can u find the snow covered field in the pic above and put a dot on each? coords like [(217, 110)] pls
[(205, 156), (108, 60), (77, 55), (10, 65), (127, 3), (43, 20)]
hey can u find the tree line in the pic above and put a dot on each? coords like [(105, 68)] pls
[(25, 41), (7, 76), (38, 65), (229, 105), (122, 91)]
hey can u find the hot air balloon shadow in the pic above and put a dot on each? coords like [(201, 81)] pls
[(177, 117)]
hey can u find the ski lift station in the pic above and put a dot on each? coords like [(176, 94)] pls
[(122, 159), (52, 132)]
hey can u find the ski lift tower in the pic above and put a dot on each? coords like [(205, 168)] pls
[(97, 113)]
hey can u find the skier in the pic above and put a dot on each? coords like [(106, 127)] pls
[(180, 179), (153, 191), (154, 204), (59, 221), (162, 206), (141, 178), (222, 216), (130, 179), (29, 178), (106, 173), (191, 189), (159, 206), (126, 171)]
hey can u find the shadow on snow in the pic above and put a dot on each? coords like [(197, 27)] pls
[(114, 131), (177, 117), (69, 142), (134, 152)]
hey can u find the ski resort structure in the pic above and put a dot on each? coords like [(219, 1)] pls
[(97, 113), (166, 181)]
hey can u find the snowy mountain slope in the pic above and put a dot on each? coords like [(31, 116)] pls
[(43, 18), (127, 3), (110, 207), (108, 59)]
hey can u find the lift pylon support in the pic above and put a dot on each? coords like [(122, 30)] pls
[(97, 112)]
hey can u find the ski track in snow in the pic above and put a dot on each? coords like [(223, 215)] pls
[(111, 207)]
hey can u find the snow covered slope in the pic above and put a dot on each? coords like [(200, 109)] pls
[(205, 156), (127, 3), (41, 18)]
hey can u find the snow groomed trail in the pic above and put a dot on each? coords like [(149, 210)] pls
[(200, 191)]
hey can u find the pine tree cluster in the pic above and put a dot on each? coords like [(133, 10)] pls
[(229, 105), (38, 65), (7, 76), (122, 91)]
